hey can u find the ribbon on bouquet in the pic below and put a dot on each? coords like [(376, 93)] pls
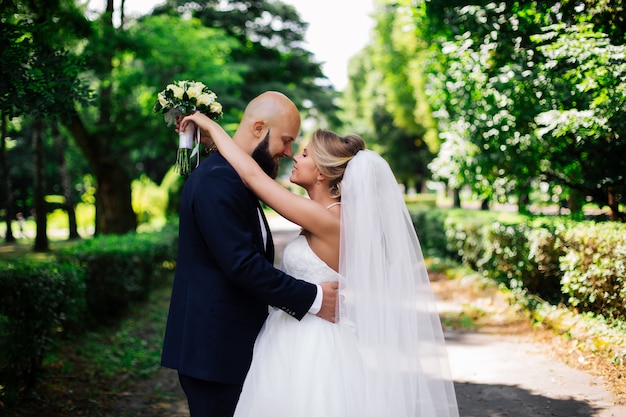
[(196, 148), (189, 139)]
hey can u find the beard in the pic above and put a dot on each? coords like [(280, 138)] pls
[(262, 157)]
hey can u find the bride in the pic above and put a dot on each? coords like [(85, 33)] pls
[(385, 356)]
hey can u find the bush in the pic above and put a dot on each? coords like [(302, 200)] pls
[(594, 268), (544, 252), (121, 269), (37, 303), (548, 257), (430, 227), (465, 235), (505, 258), (91, 283)]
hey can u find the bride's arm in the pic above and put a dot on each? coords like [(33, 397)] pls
[(301, 210)]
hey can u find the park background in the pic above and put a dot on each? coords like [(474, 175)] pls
[(503, 122)]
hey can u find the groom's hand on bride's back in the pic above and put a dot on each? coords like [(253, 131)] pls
[(329, 301)]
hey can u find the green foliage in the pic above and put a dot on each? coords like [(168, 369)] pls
[(90, 283), (594, 268), (361, 99), (544, 254), (430, 227), (270, 35), (157, 51), (121, 269), (582, 79), (524, 258), (506, 251), (38, 303), (537, 256), (483, 109), (51, 52), (519, 100), (42, 79), (384, 100), (169, 45), (421, 199), (150, 201), (466, 235)]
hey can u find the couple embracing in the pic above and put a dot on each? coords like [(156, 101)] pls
[(352, 329)]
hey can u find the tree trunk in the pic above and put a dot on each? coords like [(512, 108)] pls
[(6, 178), (523, 190), (122, 14), (66, 184), (613, 205), (41, 239), (456, 198), (114, 210), (522, 203), (574, 202)]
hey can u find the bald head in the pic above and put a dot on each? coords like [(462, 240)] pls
[(269, 107), (270, 111)]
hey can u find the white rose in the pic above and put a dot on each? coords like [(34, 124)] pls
[(195, 90), (215, 107), (162, 100), (203, 99), (178, 91)]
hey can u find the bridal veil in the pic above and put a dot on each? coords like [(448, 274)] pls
[(386, 301)]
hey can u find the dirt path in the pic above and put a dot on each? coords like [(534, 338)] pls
[(502, 370), (512, 376)]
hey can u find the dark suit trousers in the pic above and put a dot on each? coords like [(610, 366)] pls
[(209, 399)]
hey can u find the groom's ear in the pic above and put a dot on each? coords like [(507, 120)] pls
[(259, 129)]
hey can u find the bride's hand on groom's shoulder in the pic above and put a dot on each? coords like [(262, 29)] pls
[(329, 301)]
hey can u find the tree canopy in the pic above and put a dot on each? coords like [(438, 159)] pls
[(230, 46), (518, 101), (511, 97)]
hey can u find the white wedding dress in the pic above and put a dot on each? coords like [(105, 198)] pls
[(304, 368)]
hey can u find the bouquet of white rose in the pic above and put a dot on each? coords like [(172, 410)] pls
[(180, 99)]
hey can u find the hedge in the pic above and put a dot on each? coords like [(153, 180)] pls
[(579, 264), (594, 268), (120, 269), (89, 284), (37, 304)]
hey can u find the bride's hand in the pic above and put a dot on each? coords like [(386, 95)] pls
[(199, 120)]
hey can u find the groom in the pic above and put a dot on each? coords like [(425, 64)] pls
[(224, 277)]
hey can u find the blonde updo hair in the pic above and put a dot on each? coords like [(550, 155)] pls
[(332, 153)]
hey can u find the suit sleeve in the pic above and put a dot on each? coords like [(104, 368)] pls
[(225, 213)]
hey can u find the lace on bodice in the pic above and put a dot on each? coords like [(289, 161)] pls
[(301, 262)]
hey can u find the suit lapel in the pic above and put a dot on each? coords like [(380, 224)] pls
[(269, 244)]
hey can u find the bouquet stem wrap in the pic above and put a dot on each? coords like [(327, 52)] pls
[(187, 140)]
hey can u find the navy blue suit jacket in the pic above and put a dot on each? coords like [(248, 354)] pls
[(224, 278)]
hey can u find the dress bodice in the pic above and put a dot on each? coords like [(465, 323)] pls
[(301, 262)]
